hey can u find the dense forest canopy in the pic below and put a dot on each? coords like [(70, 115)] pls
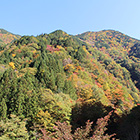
[(60, 86)]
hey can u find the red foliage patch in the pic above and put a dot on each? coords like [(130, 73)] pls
[(51, 49)]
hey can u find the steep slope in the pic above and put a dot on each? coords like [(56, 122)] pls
[(56, 77), (87, 68), (120, 47), (7, 37), (135, 51)]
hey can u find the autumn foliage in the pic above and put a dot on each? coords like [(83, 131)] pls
[(54, 83)]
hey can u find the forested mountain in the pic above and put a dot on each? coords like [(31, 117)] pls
[(52, 84), (123, 49)]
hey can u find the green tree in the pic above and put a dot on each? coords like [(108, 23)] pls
[(52, 81), (60, 82), (3, 109), (13, 129), (70, 89)]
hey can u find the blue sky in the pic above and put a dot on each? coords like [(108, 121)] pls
[(33, 17)]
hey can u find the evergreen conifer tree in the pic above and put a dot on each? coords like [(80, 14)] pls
[(3, 109), (69, 89)]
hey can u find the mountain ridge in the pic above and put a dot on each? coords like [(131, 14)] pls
[(7, 37), (110, 30)]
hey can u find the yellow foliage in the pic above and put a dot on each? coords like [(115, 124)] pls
[(13, 55), (34, 51), (90, 100), (106, 86), (45, 119), (84, 48), (61, 38), (30, 61), (85, 92), (105, 101), (12, 64), (59, 47), (131, 97), (69, 67)]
